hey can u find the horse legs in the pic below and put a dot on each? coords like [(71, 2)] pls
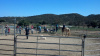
[(66, 34), (62, 33)]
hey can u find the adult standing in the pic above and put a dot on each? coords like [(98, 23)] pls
[(63, 28), (39, 29), (6, 30), (45, 29), (32, 29), (17, 29), (56, 27), (27, 31), (20, 29)]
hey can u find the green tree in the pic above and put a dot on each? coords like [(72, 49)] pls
[(93, 24), (2, 20), (23, 23), (42, 22)]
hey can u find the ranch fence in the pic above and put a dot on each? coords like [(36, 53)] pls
[(92, 44), (82, 51), (59, 44)]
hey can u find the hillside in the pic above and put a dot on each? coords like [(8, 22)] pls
[(70, 19)]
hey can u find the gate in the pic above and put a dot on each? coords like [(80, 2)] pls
[(96, 49), (58, 44)]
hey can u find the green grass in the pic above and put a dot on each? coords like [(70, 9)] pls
[(93, 35), (81, 29), (85, 28)]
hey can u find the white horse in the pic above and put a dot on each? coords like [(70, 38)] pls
[(66, 30)]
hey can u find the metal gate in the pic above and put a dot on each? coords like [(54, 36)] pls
[(96, 49), (59, 45)]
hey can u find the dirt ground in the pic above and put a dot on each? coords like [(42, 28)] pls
[(7, 45)]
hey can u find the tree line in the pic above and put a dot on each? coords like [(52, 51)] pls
[(74, 19)]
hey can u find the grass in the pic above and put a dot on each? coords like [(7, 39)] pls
[(93, 36), (81, 29), (85, 28)]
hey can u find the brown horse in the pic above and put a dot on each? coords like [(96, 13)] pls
[(66, 30)]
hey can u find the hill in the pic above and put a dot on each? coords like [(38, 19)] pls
[(70, 19)]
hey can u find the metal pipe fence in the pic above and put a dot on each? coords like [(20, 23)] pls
[(92, 44), (59, 44)]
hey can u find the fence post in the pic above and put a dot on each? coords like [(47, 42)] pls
[(14, 37), (2, 30), (59, 46), (83, 44), (37, 46)]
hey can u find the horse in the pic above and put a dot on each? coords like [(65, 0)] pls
[(66, 30)]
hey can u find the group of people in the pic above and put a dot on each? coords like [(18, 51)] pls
[(27, 29), (52, 28), (55, 29), (19, 28)]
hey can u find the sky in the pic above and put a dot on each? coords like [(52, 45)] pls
[(21, 8)]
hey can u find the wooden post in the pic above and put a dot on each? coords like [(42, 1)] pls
[(83, 45)]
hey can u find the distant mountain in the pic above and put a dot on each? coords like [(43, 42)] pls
[(70, 19)]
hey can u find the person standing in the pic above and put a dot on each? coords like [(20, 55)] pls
[(32, 29), (6, 30), (63, 27), (27, 31), (17, 28), (39, 29), (56, 27), (45, 29), (20, 29)]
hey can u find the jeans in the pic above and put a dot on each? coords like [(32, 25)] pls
[(19, 31), (6, 32)]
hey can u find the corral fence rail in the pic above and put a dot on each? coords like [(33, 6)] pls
[(59, 50), (92, 44)]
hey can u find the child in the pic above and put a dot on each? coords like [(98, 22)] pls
[(8, 30)]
